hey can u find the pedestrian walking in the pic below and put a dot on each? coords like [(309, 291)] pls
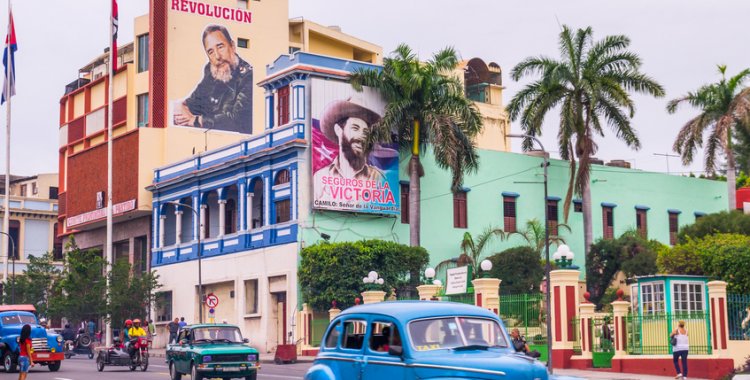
[(173, 327), (91, 328), (24, 357), (182, 322), (151, 327), (680, 348)]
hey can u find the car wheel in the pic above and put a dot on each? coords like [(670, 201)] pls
[(9, 362), (194, 373), (254, 376), (91, 355), (278, 361), (173, 373), (100, 363), (54, 366)]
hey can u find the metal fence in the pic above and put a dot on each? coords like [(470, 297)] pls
[(318, 328), (527, 313), (602, 340), (650, 334), (738, 310), (467, 298)]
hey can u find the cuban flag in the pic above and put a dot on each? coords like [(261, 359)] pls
[(10, 48), (115, 24)]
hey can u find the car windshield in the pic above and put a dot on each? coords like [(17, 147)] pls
[(19, 320), (455, 332), (217, 334)]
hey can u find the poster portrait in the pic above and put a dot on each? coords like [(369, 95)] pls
[(348, 173)]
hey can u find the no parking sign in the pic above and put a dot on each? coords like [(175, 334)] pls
[(212, 301)]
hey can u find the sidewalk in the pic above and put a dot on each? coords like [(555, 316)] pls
[(264, 357), (591, 374)]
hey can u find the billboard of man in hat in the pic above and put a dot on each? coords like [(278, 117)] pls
[(348, 123)]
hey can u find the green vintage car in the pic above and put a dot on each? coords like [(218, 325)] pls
[(211, 351)]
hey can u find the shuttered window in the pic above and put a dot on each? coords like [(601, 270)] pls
[(509, 214), (552, 217), (283, 105), (459, 210), (641, 223), (608, 222), (405, 203), (673, 227)]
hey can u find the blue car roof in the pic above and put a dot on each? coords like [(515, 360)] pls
[(409, 310)]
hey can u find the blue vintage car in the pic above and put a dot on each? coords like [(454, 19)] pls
[(47, 345), (404, 340)]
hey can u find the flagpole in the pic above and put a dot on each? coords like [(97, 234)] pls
[(6, 199), (112, 63)]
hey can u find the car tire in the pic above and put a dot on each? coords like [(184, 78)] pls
[(254, 376), (9, 362), (54, 366), (278, 361), (91, 355), (174, 374), (194, 375)]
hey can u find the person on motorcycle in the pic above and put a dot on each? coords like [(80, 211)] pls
[(128, 325), (68, 333), (134, 333)]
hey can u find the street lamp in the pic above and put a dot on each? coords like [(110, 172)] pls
[(13, 258), (563, 257), (200, 254), (372, 280), (486, 266), (429, 274), (547, 268)]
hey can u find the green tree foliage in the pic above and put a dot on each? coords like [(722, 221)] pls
[(425, 104), (720, 256), (130, 293), (534, 234), (629, 253), (720, 222), (36, 285), (591, 85), (472, 249), (82, 287), (519, 269), (334, 271)]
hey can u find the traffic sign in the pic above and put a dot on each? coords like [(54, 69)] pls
[(212, 300), (211, 310)]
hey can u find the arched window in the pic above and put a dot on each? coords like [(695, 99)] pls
[(257, 206), (282, 177), (230, 217)]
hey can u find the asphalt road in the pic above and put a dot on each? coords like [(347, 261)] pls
[(77, 368)]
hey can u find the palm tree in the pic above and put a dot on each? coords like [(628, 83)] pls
[(425, 105), (534, 235), (591, 83), (472, 249), (724, 108)]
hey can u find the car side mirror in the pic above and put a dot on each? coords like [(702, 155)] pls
[(245, 340), (395, 350)]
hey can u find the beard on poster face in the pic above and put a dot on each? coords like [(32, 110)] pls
[(354, 152), (221, 70)]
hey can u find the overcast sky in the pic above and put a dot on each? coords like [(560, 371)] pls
[(680, 43)]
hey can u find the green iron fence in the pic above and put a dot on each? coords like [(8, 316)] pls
[(467, 298), (738, 310), (602, 340), (650, 334), (527, 313), (318, 328)]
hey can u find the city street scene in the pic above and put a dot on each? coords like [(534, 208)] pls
[(337, 189)]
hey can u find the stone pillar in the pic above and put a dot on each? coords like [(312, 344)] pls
[(428, 291), (564, 303), (620, 313), (204, 210), (333, 312), (162, 223), (305, 322), (178, 226), (717, 296), (586, 336), (487, 293), (373, 296), (222, 218)]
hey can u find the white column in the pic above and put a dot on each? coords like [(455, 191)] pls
[(250, 197), (202, 227), (241, 207), (178, 226), (222, 220), (162, 222)]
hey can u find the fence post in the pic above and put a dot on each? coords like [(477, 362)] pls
[(717, 295), (487, 293), (427, 291), (565, 301), (620, 314), (373, 296), (586, 315), (334, 311)]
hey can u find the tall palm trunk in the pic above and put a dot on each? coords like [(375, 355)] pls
[(588, 235), (414, 190), (731, 180)]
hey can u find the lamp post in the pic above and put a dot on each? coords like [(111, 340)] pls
[(13, 258), (547, 268), (372, 280), (486, 266), (429, 274), (200, 254), (563, 257)]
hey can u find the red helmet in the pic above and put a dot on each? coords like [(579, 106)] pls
[(128, 322)]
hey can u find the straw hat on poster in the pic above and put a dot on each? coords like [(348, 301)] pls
[(340, 109)]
